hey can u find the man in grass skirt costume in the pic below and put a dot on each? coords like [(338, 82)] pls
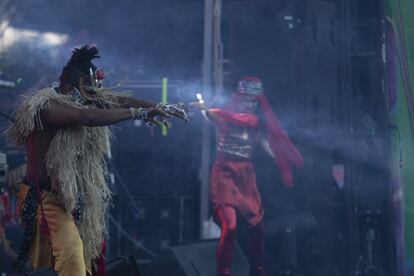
[(66, 136), (233, 181)]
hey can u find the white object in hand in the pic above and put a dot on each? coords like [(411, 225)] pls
[(200, 98)]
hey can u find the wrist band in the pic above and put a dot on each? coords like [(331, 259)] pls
[(139, 113), (132, 110)]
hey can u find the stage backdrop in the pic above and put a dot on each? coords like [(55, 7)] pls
[(400, 65)]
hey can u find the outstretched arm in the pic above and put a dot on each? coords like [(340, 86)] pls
[(128, 102), (175, 110), (61, 116), (214, 118)]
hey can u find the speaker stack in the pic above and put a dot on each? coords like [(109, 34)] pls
[(196, 259)]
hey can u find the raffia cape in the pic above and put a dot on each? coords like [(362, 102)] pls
[(74, 162)]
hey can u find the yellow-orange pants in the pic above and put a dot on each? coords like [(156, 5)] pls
[(63, 245)]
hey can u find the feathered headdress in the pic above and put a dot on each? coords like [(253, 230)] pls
[(85, 54), (79, 65)]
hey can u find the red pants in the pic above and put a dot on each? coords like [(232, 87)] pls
[(228, 222), (233, 188)]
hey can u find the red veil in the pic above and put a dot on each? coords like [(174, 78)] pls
[(286, 154)]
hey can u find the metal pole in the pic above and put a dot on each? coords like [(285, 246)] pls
[(207, 87), (164, 100), (218, 49)]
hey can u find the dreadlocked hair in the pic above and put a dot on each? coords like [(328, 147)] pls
[(84, 55), (78, 65)]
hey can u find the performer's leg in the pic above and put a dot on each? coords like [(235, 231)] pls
[(256, 250), (228, 222), (67, 247)]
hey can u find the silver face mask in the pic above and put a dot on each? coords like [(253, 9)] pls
[(91, 90), (95, 80)]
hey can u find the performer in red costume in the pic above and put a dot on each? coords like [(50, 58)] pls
[(233, 181)]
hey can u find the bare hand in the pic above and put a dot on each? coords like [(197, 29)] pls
[(158, 117), (152, 116), (157, 122), (155, 111)]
